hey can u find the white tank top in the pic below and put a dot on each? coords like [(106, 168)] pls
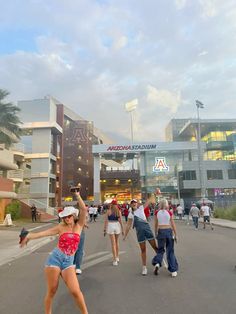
[(163, 217)]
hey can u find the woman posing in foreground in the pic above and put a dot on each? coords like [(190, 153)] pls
[(165, 231), (113, 226), (60, 261)]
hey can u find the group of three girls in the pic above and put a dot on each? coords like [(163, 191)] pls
[(164, 227)]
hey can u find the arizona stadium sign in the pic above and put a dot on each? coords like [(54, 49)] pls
[(137, 147)]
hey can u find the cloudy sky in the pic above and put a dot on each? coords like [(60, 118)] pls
[(96, 55)]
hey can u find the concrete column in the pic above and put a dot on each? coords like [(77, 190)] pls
[(96, 179)]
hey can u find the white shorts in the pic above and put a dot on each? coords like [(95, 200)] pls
[(113, 228)]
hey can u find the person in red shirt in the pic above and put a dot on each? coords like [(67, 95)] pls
[(126, 211), (147, 212)]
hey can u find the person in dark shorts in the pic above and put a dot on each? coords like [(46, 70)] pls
[(144, 233)]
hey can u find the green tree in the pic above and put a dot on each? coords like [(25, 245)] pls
[(9, 121)]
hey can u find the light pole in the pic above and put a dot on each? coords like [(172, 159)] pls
[(130, 107), (202, 188)]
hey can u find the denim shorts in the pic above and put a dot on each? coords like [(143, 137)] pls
[(59, 259), (143, 231)]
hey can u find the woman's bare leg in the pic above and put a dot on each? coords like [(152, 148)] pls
[(143, 253), (70, 278), (52, 275), (113, 246), (153, 244), (117, 245)]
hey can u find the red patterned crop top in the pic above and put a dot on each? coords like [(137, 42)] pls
[(68, 242)]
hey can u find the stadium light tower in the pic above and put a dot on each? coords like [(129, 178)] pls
[(130, 107), (200, 105)]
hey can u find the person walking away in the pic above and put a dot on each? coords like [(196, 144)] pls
[(78, 259), (206, 212), (166, 233), (91, 211), (138, 220), (113, 226), (126, 212), (34, 213), (186, 213), (95, 213), (195, 213), (60, 261), (179, 211)]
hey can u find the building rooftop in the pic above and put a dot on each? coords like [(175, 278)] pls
[(207, 125)]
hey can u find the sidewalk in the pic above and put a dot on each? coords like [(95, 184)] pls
[(9, 238)]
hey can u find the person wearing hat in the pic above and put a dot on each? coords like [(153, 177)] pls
[(113, 226), (60, 260), (195, 213), (144, 233)]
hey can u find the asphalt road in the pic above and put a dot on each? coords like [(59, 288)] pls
[(206, 282)]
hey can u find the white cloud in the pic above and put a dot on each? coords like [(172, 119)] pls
[(163, 98), (180, 4), (94, 57), (209, 7)]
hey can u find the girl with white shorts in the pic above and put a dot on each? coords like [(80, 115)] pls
[(113, 226)]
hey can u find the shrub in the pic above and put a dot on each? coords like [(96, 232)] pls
[(14, 208), (225, 213)]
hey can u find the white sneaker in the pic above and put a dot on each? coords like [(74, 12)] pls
[(117, 259), (156, 269), (174, 274), (115, 263), (144, 271), (78, 271)]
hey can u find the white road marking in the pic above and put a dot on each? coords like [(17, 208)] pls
[(41, 226), (95, 255), (98, 260)]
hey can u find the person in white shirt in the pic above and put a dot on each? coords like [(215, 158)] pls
[(95, 213), (91, 211), (180, 211), (206, 212), (195, 213), (144, 233), (166, 233)]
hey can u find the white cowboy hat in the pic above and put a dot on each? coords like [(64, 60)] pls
[(68, 210)]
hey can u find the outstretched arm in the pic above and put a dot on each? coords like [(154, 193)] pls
[(82, 210), (121, 224), (128, 226), (105, 223), (42, 234)]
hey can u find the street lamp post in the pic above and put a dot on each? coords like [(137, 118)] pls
[(130, 107), (200, 105)]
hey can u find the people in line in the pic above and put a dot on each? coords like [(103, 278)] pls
[(113, 226), (138, 220), (60, 261), (166, 233), (195, 213), (206, 213)]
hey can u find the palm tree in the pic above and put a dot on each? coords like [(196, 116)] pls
[(9, 121)]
